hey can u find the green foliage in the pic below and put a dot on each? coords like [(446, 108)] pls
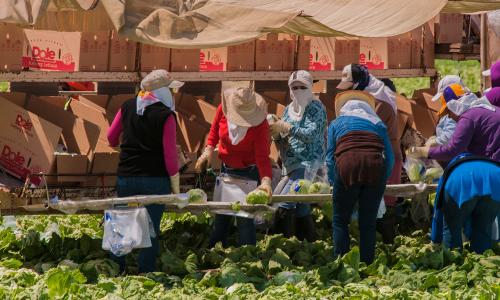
[(257, 197)]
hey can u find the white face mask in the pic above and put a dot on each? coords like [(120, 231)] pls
[(459, 106), (300, 99)]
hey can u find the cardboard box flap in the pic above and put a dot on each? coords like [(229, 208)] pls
[(81, 136)]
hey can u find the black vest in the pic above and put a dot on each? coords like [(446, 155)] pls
[(142, 141)]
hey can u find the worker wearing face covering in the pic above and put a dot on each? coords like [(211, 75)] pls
[(477, 132), (300, 136), (148, 155), (357, 77)]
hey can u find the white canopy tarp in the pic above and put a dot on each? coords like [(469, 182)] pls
[(217, 23)]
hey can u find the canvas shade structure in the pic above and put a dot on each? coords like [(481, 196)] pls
[(218, 23)]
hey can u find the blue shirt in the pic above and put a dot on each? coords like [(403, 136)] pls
[(305, 144), (345, 124)]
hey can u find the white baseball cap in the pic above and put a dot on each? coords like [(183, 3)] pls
[(301, 76), (346, 80), (444, 82)]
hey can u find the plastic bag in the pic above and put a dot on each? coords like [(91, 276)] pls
[(422, 170), (127, 229), (315, 181)]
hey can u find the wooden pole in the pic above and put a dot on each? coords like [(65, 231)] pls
[(484, 48)]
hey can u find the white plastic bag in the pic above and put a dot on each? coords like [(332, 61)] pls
[(127, 229)]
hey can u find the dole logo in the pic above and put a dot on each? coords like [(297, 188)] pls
[(25, 124), (43, 54), (13, 156)]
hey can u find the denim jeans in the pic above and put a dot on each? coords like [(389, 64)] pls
[(301, 209), (222, 223), (132, 186), (344, 198), (481, 211)]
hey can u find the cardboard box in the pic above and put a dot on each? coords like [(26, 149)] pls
[(80, 138), (115, 104), (424, 97), (449, 28), (92, 113), (51, 50), (386, 53), (196, 108), (241, 57), (27, 142), (19, 99), (275, 52), (333, 53), (185, 60), (422, 43), (154, 57), (303, 53), (94, 51), (374, 53), (105, 161), (493, 42), (213, 60), (403, 121), (122, 53), (99, 100), (399, 51), (190, 134), (11, 47)]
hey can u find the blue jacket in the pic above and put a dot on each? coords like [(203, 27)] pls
[(345, 124)]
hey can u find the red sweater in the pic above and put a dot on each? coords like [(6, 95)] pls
[(252, 150)]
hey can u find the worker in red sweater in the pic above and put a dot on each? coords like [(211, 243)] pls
[(241, 130)]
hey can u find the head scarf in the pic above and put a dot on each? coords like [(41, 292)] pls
[(494, 96), (147, 98), (381, 92), (468, 101), (360, 77), (236, 133), (360, 109), (300, 97)]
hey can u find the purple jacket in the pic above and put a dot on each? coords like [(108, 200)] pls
[(477, 132), (494, 96)]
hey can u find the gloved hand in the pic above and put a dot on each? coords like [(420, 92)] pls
[(204, 159), (280, 127), (418, 152), (265, 185), (175, 183), (431, 141)]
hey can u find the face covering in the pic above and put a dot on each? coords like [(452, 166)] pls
[(236, 133), (468, 101), (147, 98), (381, 92), (300, 99), (360, 109)]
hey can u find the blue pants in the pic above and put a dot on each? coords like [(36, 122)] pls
[(481, 211), (132, 186), (301, 209), (344, 198), (246, 226)]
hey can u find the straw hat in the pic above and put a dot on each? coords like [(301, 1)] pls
[(244, 107), (342, 98), (158, 79)]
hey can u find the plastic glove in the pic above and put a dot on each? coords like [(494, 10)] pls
[(265, 186), (204, 159), (280, 127), (175, 183), (431, 141), (418, 152)]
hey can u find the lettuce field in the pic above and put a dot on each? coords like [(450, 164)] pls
[(60, 257)]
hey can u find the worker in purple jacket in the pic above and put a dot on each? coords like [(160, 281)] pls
[(493, 94), (477, 132)]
